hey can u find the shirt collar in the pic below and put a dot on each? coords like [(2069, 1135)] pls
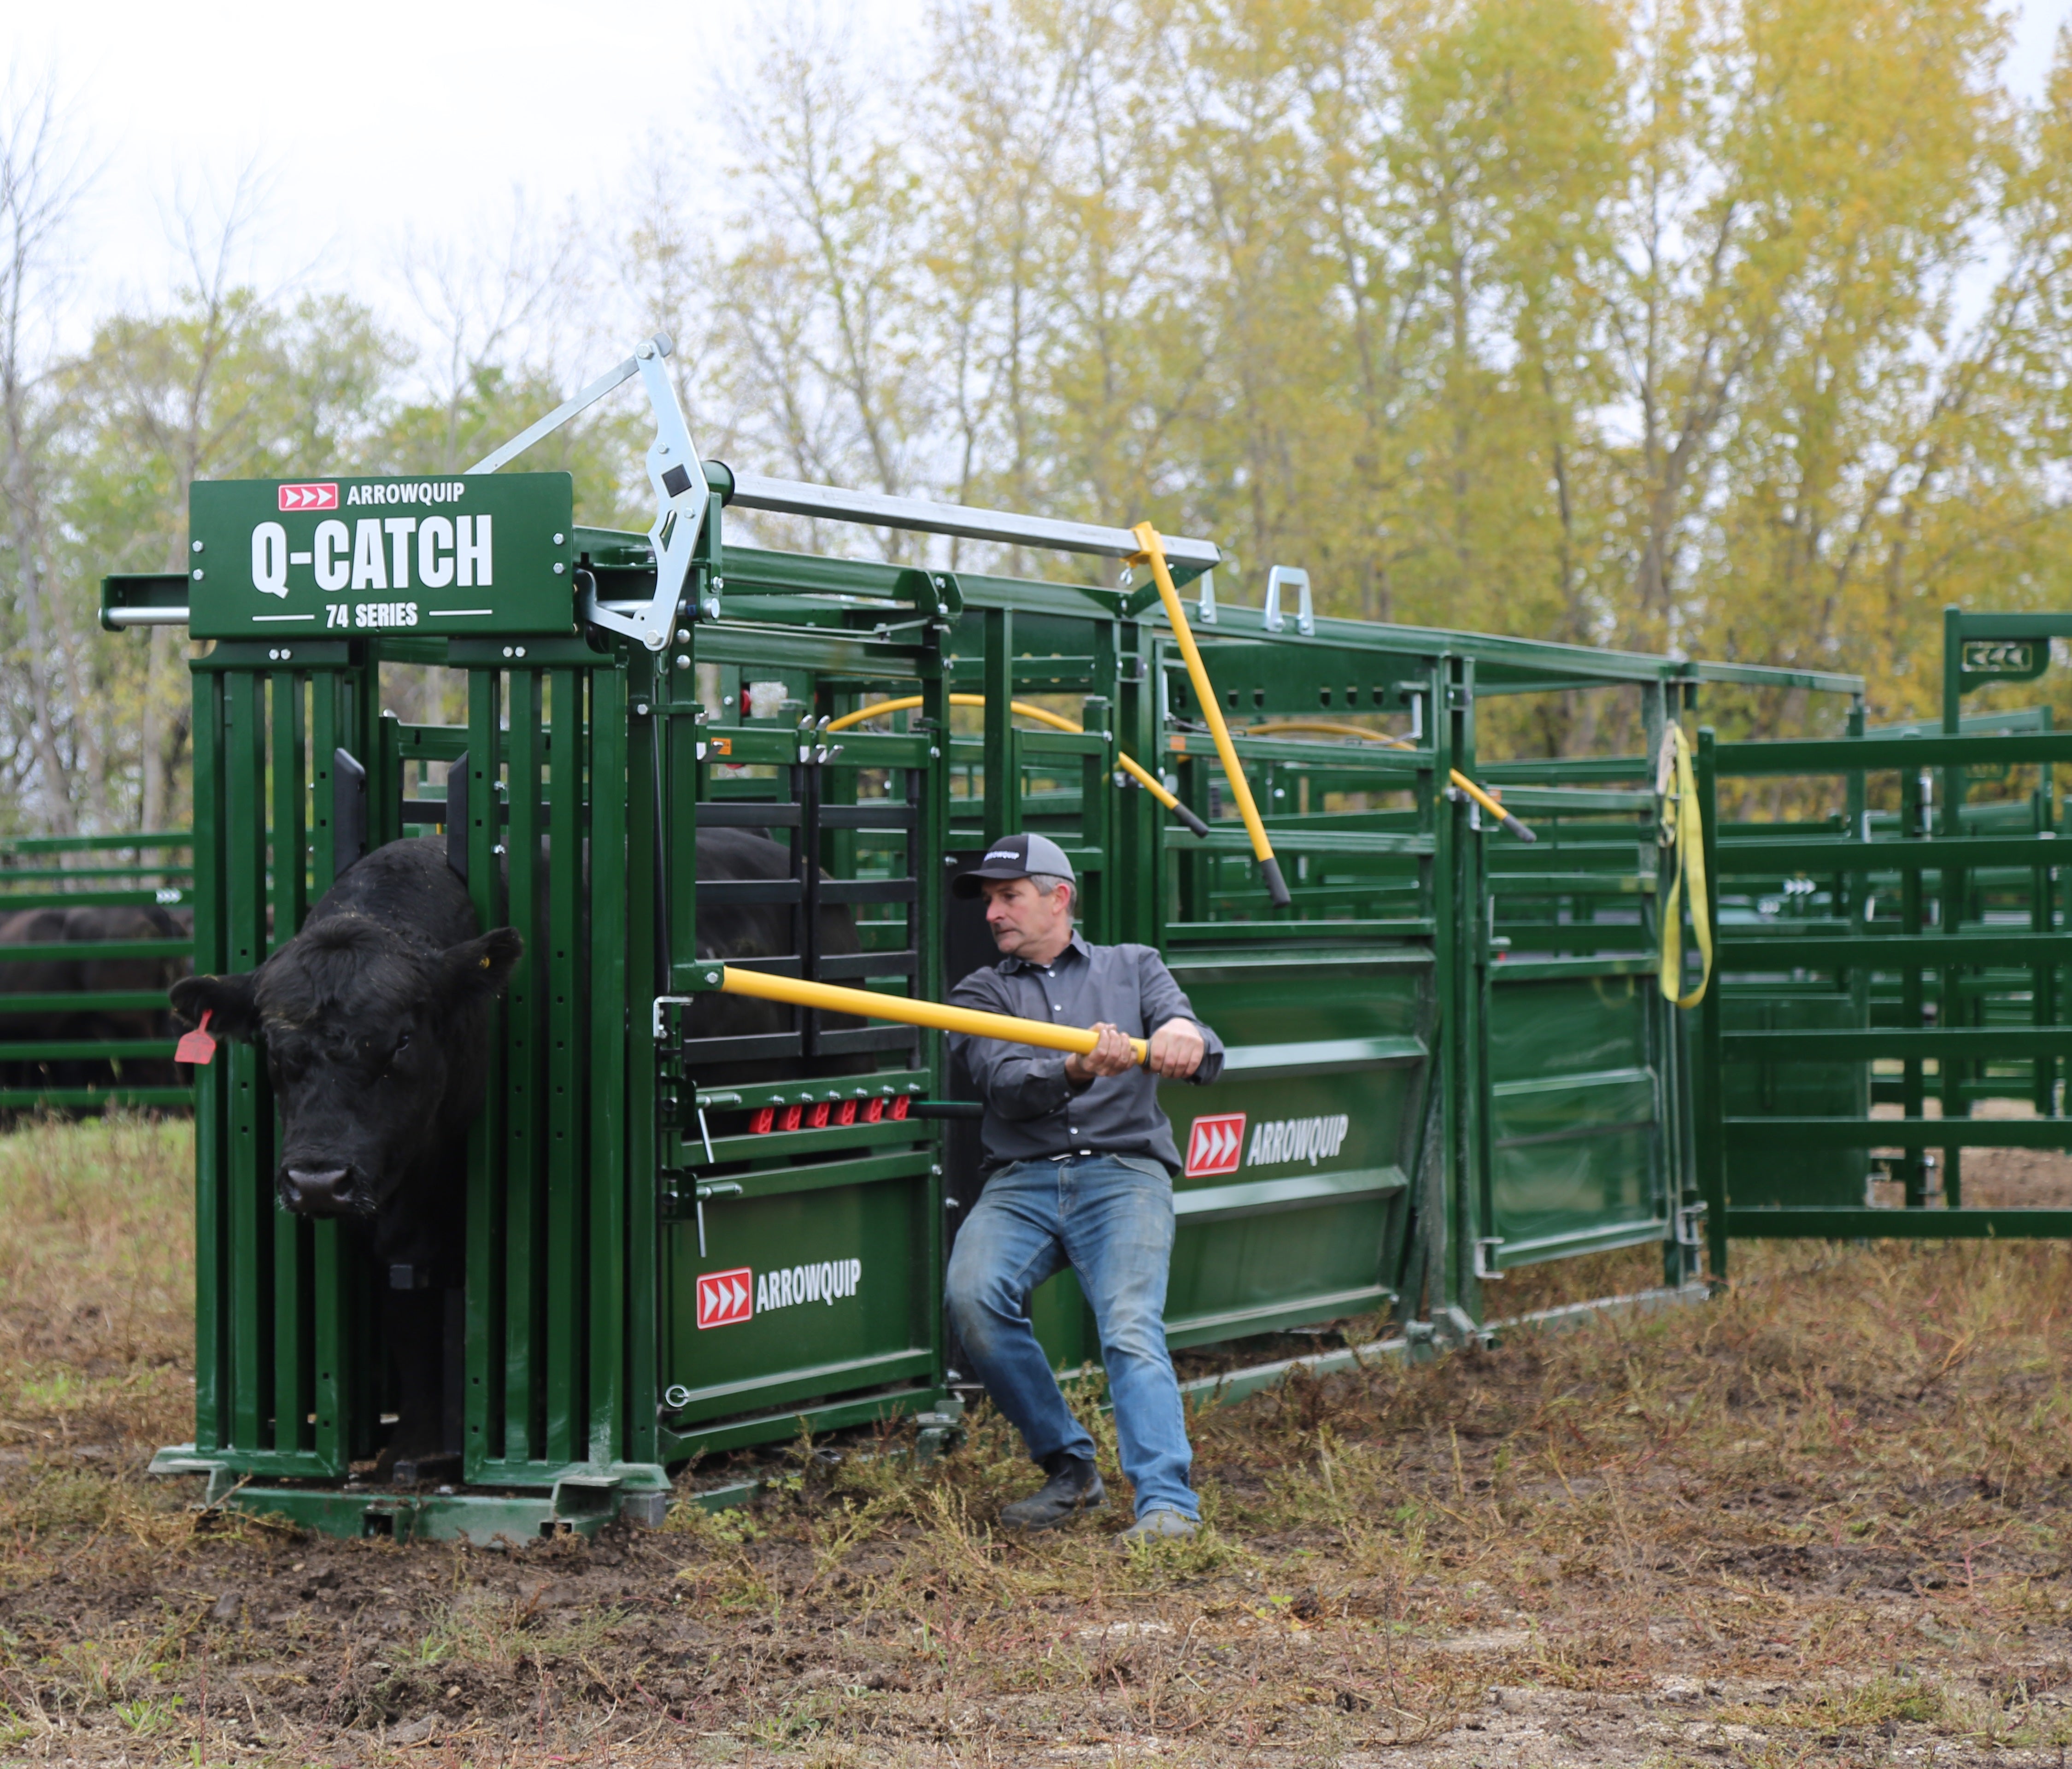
[(1012, 963)]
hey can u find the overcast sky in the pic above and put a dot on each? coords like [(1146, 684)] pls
[(384, 122)]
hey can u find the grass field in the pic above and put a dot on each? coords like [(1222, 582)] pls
[(1821, 1519)]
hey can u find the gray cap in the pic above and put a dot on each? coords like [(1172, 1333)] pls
[(1014, 857)]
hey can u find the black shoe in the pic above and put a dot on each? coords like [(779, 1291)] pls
[(1074, 1485)]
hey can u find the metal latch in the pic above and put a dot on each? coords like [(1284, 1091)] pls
[(1305, 612)]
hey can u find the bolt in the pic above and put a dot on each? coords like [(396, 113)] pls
[(682, 635), (683, 662), (197, 546), (559, 538), (719, 583), (507, 651), (522, 651), (197, 576), (559, 568)]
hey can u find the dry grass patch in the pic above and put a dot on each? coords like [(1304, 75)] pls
[(1820, 1520)]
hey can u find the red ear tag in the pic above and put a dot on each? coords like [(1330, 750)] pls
[(197, 1046)]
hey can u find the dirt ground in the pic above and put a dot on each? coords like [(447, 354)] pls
[(1820, 1520)]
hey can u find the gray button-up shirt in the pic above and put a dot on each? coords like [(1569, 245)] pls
[(1033, 1112)]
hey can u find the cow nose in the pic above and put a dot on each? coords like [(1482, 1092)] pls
[(315, 1188)]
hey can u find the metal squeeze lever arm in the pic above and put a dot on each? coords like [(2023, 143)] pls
[(1153, 554), (1129, 765), (798, 992), (681, 494)]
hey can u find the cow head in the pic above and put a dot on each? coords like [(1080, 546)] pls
[(375, 1045)]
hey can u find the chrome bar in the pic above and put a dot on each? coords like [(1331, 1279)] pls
[(876, 509)]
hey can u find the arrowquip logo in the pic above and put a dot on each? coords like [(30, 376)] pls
[(728, 1298), (725, 1298), (1215, 1145), (1286, 1141), (309, 497)]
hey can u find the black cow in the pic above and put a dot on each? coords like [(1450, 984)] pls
[(374, 1019), (77, 976)]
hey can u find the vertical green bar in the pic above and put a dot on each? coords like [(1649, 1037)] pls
[(1003, 772), (2042, 980), (1448, 1055), (1950, 1009), (1474, 1200), (251, 1112), (562, 1253), (1913, 1002), (213, 1284), (292, 1322), (332, 1344), (1136, 910), (610, 1008), (523, 1180), (486, 1143), (1711, 1077), (636, 1247)]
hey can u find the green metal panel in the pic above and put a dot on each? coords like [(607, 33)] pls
[(1581, 1156)]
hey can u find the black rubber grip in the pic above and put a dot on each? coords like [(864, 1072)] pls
[(1276, 887), (1518, 828), (1188, 817), (945, 1108)]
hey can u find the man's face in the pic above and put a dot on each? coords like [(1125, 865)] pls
[(1027, 923)]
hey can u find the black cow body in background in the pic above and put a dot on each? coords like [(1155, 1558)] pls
[(76, 976), (374, 1023), (733, 931)]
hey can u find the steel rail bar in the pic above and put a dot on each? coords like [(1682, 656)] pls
[(1849, 1222), (1925, 853), (1849, 1043), (1760, 950), (1818, 1133), (1836, 755)]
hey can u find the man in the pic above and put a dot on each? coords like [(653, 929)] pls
[(1081, 1161)]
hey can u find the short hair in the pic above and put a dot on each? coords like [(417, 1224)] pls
[(1048, 881)]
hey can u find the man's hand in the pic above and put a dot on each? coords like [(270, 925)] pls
[(1112, 1055), (1177, 1049)]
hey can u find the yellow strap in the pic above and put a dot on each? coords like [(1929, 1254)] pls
[(1682, 816), (1042, 715)]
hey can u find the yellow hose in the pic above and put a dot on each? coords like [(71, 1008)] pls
[(797, 992), (1205, 691), (1332, 728), (1128, 764)]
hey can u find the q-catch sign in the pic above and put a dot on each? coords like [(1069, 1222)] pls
[(490, 554)]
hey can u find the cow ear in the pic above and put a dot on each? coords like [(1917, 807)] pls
[(230, 1003), (481, 967)]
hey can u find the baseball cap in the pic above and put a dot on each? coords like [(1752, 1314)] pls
[(1014, 857)]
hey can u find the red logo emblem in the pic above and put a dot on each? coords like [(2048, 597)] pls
[(726, 1298), (309, 497), (1215, 1145)]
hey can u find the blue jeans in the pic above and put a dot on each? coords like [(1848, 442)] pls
[(1112, 1224)]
